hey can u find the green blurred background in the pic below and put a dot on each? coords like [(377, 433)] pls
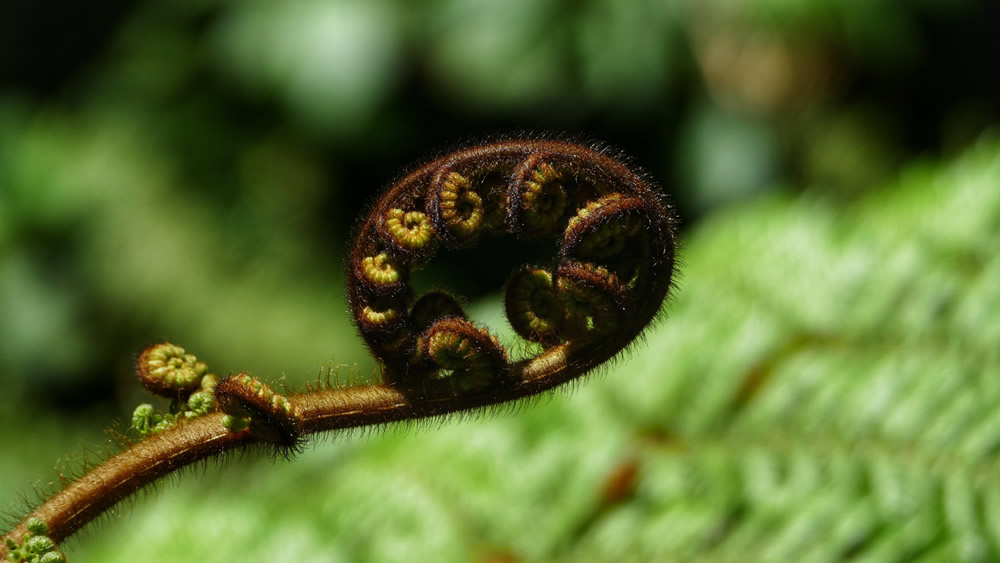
[(191, 170)]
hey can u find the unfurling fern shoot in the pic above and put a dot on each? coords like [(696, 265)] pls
[(614, 267)]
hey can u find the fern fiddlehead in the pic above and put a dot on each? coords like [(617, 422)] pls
[(614, 267)]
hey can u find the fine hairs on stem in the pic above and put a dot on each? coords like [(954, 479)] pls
[(614, 268)]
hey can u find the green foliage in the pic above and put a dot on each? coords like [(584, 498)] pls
[(823, 390)]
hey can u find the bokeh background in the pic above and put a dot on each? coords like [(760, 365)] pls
[(191, 171)]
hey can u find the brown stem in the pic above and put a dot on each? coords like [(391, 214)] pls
[(142, 463), (327, 409)]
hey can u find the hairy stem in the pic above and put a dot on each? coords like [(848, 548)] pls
[(144, 462), (198, 439)]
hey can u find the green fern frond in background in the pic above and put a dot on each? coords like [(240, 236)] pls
[(826, 389)]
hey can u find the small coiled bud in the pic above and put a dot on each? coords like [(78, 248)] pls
[(37, 526), (538, 198), (381, 314), (599, 229), (53, 557), (39, 544), (410, 232), (272, 417), (143, 418), (456, 206), (593, 299), (146, 420), (199, 403), (167, 371), (469, 357), (532, 307), (382, 273)]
